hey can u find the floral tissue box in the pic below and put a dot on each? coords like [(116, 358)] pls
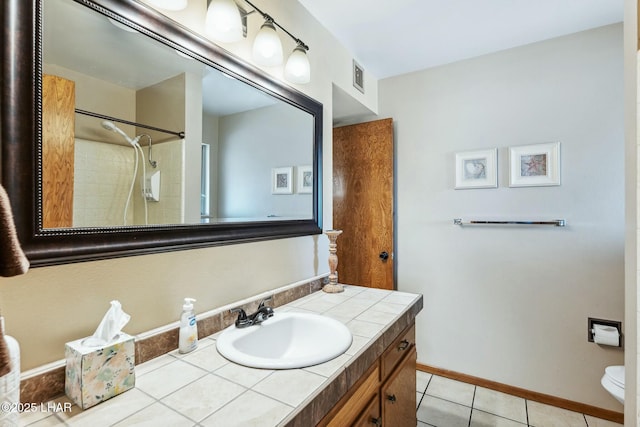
[(95, 374)]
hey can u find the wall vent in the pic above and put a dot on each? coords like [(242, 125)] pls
[(358, 76)]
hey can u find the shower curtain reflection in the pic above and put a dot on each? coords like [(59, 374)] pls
[(108, 125)]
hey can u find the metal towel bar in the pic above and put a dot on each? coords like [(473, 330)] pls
[(555, 222)]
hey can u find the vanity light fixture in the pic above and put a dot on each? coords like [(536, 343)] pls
[(298, 69), (224, 22), (267, 47), (169, 4)]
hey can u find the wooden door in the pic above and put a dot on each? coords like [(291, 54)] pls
[(58, 144), (363, 203)]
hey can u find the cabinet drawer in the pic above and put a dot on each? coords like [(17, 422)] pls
[(357, 400), (401, 346)]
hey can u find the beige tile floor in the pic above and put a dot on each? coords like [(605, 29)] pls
[(447, 403)]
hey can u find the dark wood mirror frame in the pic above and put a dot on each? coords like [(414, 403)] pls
[(21, 133)]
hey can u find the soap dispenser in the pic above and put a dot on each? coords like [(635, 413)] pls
[(188, 336)]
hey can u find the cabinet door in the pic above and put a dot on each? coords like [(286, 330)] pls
[(370, 417), (398, 394)]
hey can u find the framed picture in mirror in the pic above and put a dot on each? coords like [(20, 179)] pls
[(281, 180), (305, 179)]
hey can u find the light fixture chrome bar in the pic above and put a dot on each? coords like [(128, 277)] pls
[(555, 222)]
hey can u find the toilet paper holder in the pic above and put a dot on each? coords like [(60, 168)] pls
[(591, 322)]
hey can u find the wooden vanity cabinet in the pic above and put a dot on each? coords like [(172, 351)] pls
[(386, 393)]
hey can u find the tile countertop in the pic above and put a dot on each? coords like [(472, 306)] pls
[(203, 388)]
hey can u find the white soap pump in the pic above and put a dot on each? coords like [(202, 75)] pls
[(188, 336)]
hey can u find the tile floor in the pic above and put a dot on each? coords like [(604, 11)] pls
[(447, 403)]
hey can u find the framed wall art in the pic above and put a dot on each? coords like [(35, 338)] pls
[(281, 180), (305, 179), (477, 169), (534, 165)]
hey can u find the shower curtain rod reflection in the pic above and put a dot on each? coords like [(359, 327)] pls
[(114, 119)]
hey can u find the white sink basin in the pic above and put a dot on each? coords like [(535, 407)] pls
[(285, 341)]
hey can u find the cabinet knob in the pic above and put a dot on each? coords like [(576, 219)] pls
[(404, 344), (384, 255), (376, 421), (391, 398)]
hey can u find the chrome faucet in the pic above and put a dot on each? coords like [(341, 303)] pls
[(263, 313)]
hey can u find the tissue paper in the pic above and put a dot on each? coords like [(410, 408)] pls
[(110, 327), (103, 365), (606, 335)]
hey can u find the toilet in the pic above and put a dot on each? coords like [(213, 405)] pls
[(613, 382)]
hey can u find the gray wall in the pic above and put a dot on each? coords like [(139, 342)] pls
[(511, 304), (250, 145)]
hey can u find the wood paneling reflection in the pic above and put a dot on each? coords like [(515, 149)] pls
[(58, 141)]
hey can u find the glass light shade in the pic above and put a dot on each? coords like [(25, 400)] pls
[(223, 21), (169, 4), (298, 68), (267, 48)]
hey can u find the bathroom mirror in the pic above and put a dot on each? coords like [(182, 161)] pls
[(125, 133)]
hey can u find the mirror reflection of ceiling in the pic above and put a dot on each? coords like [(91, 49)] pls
[(128, 58)]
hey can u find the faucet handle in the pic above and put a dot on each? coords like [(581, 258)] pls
[(242, 315), (262, 303)]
